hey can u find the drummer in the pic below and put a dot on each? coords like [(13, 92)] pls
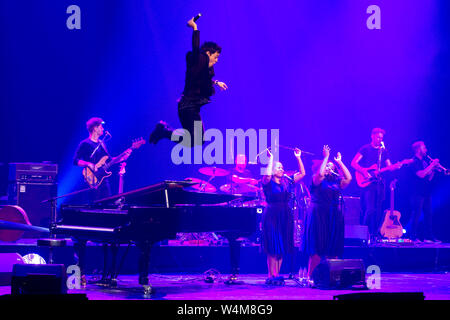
[(240, 176)]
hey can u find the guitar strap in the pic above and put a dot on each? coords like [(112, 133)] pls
[(100, 143)]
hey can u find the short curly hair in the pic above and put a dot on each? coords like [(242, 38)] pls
[(211, 47), (93, 122)]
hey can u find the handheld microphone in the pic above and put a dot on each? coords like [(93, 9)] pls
[(335, 173), (382, 145), (197, 17)]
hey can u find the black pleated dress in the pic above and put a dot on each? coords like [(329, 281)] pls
[(324, 232), (277, 220)]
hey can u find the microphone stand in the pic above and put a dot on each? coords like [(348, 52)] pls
[(52, 242)]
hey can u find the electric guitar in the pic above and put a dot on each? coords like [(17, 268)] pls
[(392, 228), (96, 177), (374, 173)]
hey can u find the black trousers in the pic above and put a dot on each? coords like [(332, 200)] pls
[(372, 198), (419, 204), (189, 115)]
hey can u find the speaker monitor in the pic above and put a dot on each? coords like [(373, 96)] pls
[(48, 279), (339, 273)]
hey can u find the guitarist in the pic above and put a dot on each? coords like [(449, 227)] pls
[(373, 195), (90, 151)]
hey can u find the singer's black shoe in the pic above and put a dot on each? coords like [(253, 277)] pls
[(162, 130)]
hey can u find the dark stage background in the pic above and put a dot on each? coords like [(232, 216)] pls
[(309, 68)]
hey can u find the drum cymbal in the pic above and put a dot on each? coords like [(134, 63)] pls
[(202, 185), (214, 171)]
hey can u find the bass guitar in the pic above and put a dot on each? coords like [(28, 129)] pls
[(392, 228), (96, 177), (374, 174)]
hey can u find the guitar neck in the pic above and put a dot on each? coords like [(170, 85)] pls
[(116, 159)]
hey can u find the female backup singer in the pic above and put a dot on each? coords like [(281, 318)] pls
[(324, 234), (277, 220)]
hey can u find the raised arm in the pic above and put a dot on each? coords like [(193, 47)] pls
[(319, 176), (301, 168), (268, 176), (347, 175)]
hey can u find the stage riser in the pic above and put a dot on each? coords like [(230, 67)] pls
[(191, 259)]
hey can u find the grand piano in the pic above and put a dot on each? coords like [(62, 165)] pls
[(154, 213)]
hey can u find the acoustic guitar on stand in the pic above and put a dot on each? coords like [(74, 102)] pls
[(374, 174), (96, 177), (392, 228)]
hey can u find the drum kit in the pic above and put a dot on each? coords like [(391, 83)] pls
[(252, 187)]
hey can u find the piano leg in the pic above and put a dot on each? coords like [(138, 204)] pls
[(114, 272), (105, 263), (80, 253), (235, 257), (144, 261)]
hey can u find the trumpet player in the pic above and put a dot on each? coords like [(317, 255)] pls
[(423, 172)]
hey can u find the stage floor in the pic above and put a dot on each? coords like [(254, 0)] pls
[(193, 287)]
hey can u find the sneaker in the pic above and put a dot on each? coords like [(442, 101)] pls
[(162, 130)]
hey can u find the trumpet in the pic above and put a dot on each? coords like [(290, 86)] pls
[(439, 167)]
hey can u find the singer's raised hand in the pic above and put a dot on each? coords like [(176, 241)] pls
[(297, 152), (222, 85), (192, 24), (338, 157), (326, 151)]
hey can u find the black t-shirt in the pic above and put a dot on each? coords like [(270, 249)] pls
[(85, 152), (370, 156), (198, 78), (420, 186)]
